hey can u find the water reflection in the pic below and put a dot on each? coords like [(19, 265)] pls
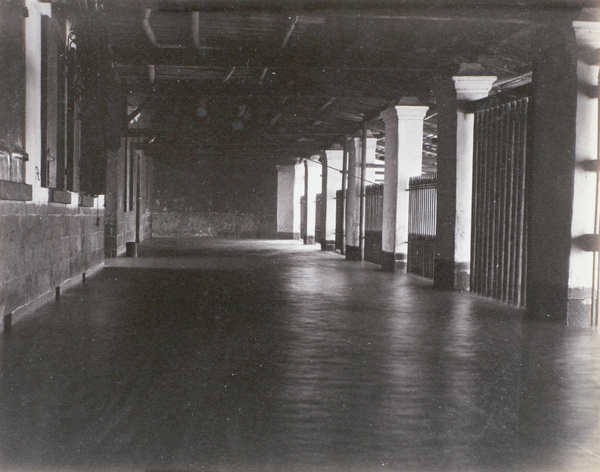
[(280, 357)]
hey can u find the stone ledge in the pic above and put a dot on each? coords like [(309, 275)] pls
[(59, 196), (86, 201), (15, 191)]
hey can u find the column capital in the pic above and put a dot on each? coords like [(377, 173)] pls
[(313, 160), (285, 167), (473, 87), (405, 112), (587, 33), (333, 154)]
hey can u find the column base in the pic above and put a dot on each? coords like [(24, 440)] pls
[(286, 235), (393, 262), (353, 253), (450, 275), (546, 302), (309, 240), (579, 307), (328, 245)]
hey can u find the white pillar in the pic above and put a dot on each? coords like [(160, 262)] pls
[(403, 159), (353, 193), (332, 163), (298, 192), (455, 175), (285, 201), (352, 200), (312, 188), (586, 167), (468, 88)]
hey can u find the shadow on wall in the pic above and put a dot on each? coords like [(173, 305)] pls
[(176, 224)]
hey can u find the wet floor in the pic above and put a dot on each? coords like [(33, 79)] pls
[(271, 356)]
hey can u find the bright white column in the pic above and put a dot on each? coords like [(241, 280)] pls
[(468, 88), (352, 200), (586, 157), (353, 195), (332, 162), (313, 187), (285, 201), (298, 192), (403, 159)]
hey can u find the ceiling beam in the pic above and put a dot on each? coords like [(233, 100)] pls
[(147, 28), (195, 29), (432, 10), (381, 94), (289, 32)]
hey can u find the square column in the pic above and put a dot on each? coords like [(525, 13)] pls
[(403, 160), (353, 196), (581, 261), (312, 186), (298, 192), (455, 176), (550, 171), (285, 201), (332, 162)]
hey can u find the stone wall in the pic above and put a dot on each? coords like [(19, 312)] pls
[(44, 247), (214, 224), (235, 198)]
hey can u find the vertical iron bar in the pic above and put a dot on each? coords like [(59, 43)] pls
[(504, 192), (344, 200), (508, 294), (474, 204)]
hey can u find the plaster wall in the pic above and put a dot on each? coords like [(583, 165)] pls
[(285, 201), (121, 217)]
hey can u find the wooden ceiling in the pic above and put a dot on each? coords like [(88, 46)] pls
[(287, 79)]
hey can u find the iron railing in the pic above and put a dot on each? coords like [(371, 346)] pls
[(422, 225), (499, 221), (373, 222)]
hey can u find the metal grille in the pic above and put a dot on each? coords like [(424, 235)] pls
[(318, 219), (339, 221), (421, 225), (303, 234), (499, 223), (373, 222)]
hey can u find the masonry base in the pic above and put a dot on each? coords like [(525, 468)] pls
[(393, 261), (27, 309), (451, 275), (353, 253)]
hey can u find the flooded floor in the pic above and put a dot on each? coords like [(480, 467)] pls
[(204, 355)]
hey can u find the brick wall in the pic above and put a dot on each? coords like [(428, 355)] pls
[(44, 246)]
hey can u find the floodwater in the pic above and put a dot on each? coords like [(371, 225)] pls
[(206, 355)]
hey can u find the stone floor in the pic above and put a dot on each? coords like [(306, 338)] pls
[(206, 355)]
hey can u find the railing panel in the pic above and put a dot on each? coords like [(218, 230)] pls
[(339, 220), (373, 222), (318, 219), (499, 230), (422, 225)]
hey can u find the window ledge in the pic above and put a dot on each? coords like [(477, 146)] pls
[(59, 196), (86, 201), (15, 191)]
